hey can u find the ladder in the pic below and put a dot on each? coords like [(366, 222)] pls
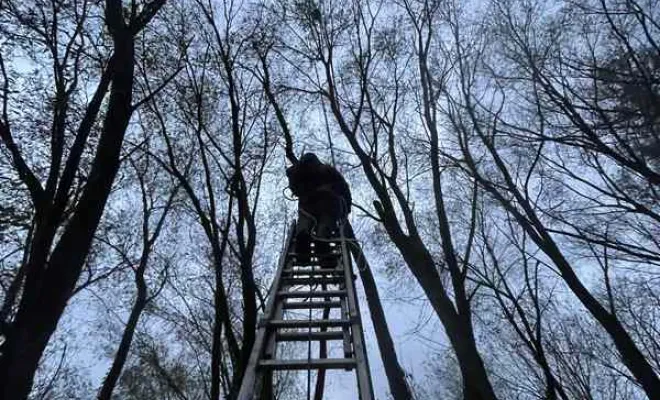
[(320, 286)]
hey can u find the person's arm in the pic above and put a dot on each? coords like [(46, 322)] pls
[(342, 187)]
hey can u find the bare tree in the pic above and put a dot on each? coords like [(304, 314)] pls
[(487, 154), (221, 118), (511, 148), (60, 245), (154, 216), (338, 57), (264, 43)]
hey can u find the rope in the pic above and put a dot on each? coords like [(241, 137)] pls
[(309, 355), (362, 260), (284, 193)]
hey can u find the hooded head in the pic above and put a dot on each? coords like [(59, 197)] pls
[(309, 159)]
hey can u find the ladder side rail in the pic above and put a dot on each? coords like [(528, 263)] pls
[(365, 388), (346, 332), (249, 384), (264, 379)]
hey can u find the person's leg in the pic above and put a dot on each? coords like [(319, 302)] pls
[(304, 228), (327, 227), (335, 213), (324, 234)]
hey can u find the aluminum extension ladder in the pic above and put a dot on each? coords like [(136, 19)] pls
[(309, 283)]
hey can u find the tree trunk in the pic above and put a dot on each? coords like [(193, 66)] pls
[(125, 345), (216, 350), (396, 377), (457, 326), (631, 356), (221, 318), (43, 302)]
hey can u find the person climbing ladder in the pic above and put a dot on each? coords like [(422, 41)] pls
[(324, 199)]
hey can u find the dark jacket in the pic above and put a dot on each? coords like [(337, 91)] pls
[(307, 179)]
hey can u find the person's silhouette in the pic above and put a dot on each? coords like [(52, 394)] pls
[(324, 198)]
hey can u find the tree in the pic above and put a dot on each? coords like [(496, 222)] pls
[(63, 231), (488, 145), (152, 226), (351, 80), (223, 123), (503, 153)]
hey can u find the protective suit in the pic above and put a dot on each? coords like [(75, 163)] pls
[(324, 198)]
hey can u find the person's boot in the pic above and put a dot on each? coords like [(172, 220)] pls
[(323, 248), (324, 253), (302, 247), (303, 240)]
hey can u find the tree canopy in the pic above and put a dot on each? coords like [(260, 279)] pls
[(503, 155)]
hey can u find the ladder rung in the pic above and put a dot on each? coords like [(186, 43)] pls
[(314, 275), (314, 293), (306, 336), (336, 254), (329, 280), (311, 272), (315, 363), (304, 323), (333, 239), (316, 263), (304, 305)]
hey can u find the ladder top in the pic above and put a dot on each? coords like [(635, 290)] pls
[(306, 336), (304, 323), (314, 363), (313, 293), (304, 305)]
